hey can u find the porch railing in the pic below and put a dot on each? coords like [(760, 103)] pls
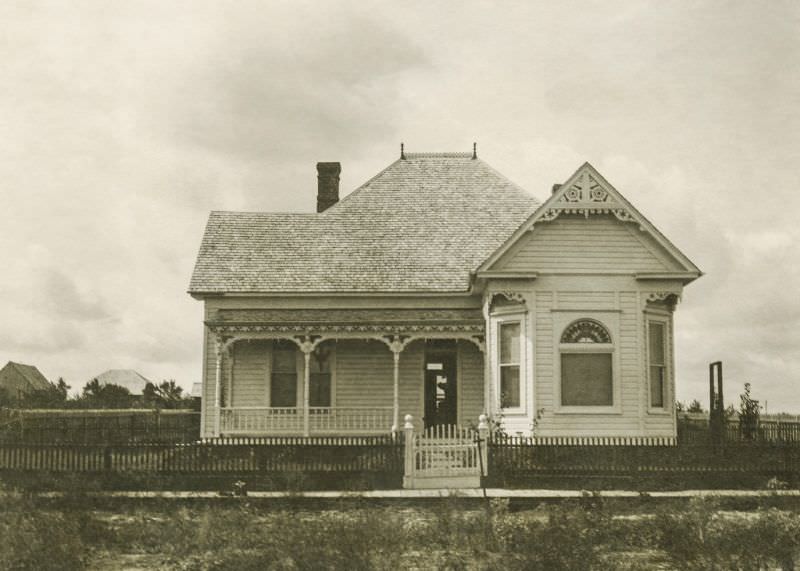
[(290, 420)]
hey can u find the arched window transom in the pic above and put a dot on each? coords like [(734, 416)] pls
[(585, 331)]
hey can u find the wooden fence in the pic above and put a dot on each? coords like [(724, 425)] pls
[(694, 429), (516, 457), (112, 426), (236, 455)]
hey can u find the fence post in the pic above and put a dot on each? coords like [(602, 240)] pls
[(408, 430), (107, 458), (483, 443)]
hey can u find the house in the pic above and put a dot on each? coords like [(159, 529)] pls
[(17, 380), (441, 290), (126, 378)]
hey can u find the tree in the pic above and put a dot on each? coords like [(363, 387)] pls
[(749, 411), (167, 394), (54, 396), (695, 406), (109, 395)]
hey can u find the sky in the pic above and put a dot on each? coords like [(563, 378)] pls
[(124, 123)]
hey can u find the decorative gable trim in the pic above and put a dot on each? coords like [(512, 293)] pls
[(587, 193)]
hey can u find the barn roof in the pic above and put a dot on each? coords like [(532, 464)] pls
[(31, 374), (421, 225), (127, 378)]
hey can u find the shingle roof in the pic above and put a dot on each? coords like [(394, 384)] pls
[(422, 224), (127, 378), (31, 374)]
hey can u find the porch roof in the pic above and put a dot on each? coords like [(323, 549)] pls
[(421, 225)]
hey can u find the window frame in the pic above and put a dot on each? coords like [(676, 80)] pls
[(664, 320), (610, 321), (511, 314)]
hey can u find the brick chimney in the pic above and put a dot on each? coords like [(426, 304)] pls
[(327, 185)]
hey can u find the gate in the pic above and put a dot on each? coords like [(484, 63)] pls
[(445, 456)]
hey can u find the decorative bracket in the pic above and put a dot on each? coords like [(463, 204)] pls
[(669, 297)]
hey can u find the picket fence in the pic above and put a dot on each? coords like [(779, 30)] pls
[(239, 455)]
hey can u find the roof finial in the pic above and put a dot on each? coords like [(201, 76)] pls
[(474, 150), (402, 152)]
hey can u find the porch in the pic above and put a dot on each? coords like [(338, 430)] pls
[(331, 379)]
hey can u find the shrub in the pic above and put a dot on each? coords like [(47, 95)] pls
[(34, 539), (704, 538)]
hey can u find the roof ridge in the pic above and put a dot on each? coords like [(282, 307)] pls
[(263, 212), (436, 155)]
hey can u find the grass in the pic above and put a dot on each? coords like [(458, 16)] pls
[(590, 533)]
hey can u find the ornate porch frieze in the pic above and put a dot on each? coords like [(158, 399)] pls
[(302, 329)]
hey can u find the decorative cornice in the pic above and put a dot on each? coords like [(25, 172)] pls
[(586, 209)]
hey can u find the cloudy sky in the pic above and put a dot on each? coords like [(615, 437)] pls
[(124, 123)]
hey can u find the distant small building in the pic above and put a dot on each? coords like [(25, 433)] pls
[(17, 380), (197, 390), (127, 378)]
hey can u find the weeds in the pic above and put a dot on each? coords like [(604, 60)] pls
[(238, 533)]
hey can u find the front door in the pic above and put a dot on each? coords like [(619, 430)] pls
[(441, 389)]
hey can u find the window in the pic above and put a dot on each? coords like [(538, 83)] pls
[(320, 378), (283, 381), (657, 353), (587, 378), (509, 361)]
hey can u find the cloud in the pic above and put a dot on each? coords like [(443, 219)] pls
[(272, 97), (59, 295)]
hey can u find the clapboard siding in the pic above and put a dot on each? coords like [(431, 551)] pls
[(630, 374), (543, 352), (579, 243), (208, 385), (249, 374), (593, 300), (471, 382), (412, 362), (364, 373)]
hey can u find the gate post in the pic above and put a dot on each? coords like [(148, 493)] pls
[(483, 443), (408, 430)]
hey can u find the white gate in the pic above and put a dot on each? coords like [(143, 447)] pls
[(445, 456)]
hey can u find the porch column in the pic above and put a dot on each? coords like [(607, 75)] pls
[(218, 388), (231, 356), (488, 393), (306, 347), (396, 347)]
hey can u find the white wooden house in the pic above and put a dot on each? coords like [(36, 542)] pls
[(442, 290)]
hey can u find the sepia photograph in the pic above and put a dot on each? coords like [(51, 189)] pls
[(449, 285)]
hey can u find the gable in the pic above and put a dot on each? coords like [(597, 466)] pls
[(573, 242), (588, 225)]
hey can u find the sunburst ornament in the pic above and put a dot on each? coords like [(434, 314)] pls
[(585, 331)]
